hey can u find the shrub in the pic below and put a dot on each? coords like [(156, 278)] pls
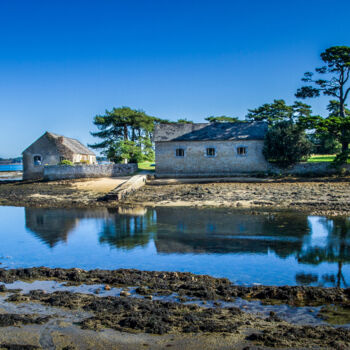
[(84, 162), (286, 144), (66, 162)]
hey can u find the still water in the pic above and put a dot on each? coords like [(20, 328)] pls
[(11, 167), (278, 249)]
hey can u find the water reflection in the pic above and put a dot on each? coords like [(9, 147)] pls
[(335, 248), (307, 240), (128, 228), (218, 231)]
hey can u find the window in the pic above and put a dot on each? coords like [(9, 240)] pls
[(210, 152), (241, 151), (37, 160), (180, 152)]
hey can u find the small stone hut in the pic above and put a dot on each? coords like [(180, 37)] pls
[(51, 149), (209, 149)]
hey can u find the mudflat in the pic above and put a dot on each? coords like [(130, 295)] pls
[(193, 313), (65, 193), (326, 196)]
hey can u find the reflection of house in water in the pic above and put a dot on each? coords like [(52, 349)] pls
[(186, 230), (52, 226)]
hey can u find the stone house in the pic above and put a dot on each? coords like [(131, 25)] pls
[(51, 149), (209, 149)]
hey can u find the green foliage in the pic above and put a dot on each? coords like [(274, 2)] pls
[(341, 159), (83, 161), (222, 119), (279, 111), (146, 166), (333, 81), (324, 143), (184, 121), (333, 132), (286, 144), (321, 158), (126, 134), (66, 162)]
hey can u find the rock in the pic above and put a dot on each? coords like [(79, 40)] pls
[(125, 293), (107, 287)]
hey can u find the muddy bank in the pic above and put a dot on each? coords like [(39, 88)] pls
[(184, 284), (326, 196), (322, 196), (80, 193)]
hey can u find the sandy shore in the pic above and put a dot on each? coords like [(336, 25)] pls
[(326, 196), (67, 193)]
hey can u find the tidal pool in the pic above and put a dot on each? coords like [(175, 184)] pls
[(273, 249)]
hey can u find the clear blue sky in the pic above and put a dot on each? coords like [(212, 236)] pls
[(62, 62)]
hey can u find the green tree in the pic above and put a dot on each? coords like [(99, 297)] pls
[(279, 111), (333, 81), (126, 134), (184, 121), (286, 144), (333, 129), (222, 119)]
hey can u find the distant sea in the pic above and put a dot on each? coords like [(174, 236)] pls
[(11, 167)]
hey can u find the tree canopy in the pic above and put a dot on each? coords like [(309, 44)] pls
[(126, 134), (332, 80), (222, 119), (184, 121), (286, 144), (278, 111)]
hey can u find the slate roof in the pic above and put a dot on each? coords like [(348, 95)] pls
[(72, 144), (210, 132)]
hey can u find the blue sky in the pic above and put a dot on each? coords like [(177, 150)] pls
[(62, 62)]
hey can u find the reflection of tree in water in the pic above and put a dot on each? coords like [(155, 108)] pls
[(306, 279), (291, 226), (129, 229), (337, 249)]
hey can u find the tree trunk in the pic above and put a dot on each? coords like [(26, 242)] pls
[(125, 132), (339, 274), (344, 146)]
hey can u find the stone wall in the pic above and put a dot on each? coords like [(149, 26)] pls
[(62, 172), (195, 163)]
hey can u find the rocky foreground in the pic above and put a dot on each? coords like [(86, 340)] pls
[(163, 309)]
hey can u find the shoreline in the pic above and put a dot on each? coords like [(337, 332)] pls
[(160, 308), (157, 309), (326, 196)]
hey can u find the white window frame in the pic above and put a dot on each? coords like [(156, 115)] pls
[(242, 155), (178, 148), (206, 152), (41, 159)]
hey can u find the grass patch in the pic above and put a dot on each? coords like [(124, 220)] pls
[(323, 158), (146, 166)]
